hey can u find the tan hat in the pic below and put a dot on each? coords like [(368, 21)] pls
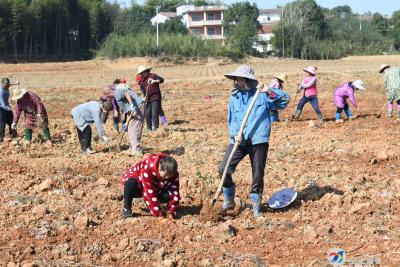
[(282, 77), (142, 69), (18, 93), (383, 67)]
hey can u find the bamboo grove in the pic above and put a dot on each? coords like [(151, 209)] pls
[(54, 28)]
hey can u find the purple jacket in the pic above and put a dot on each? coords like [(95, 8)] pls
[(344, 91), (113, 100)]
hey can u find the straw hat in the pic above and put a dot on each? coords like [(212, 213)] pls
[(18, 94), (142, 69), (282, 77), (383, 67), (359, 85), (311, 69), (243, 71)]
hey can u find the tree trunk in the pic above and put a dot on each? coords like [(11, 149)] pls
[(15, 48)]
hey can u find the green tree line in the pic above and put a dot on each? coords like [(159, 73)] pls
[(82, 29), (60, 28), (35, 29), (134, 35), (309, 31)]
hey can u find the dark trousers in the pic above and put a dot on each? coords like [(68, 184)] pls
[(258, 158), (152, 112), (161, 110), (85, 137), (131, 191), (312, 100), (6, 118), (346, 107)]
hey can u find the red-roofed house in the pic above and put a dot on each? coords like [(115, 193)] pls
[(269, 19), (205, 21), (264, 35), (269, 15)]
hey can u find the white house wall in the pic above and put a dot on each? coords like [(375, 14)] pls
[(263, 18)]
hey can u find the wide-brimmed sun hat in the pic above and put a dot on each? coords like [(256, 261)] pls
[(282, 198), (243, 71), (18, 94), (142, 69), (282, 77), (311, 69), (359, 85), (383, 67)]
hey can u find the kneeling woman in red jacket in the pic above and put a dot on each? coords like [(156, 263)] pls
[(156, 179)]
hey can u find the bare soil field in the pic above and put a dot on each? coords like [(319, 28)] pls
[(60, 208)]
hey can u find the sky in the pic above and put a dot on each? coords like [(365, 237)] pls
[(385, 7)]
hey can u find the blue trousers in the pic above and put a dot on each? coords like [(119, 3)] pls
[(346, 111), (274, 115), (314, 102)]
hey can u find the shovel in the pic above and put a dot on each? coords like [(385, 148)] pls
[(238, 140), (294, 101), (378, 115), (117, 146)]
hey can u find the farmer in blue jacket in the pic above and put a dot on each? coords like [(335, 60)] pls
[(255, 139), (86, 114), (6, 114), (133, 108)]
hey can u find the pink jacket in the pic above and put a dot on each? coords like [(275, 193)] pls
[(344, 91), (309, 84)]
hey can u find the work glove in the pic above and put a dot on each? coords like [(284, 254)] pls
[(132, 107), (150, 81), (14, 126), (125, 127), (238, 139), (266, 89), (104, 139)]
